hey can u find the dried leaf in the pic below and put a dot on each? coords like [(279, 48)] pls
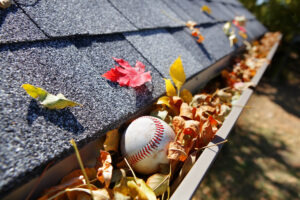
[(159, 183), (200, 99), (97, 194), (126, 75), (200, 38), (5, 4), (186, 111), (91, 173), (224, 96), (49, 100), (226, 28), (186, 96), (206, 134), (240, 20), (191, 127), (206, 9), (243, 85), (104, 173), (164, 100), (188, 164), (177, 73), (170, 89), (232, 39), (176, 101), (243, 35), (111, 142), (176, 152), (161, 114), (178, 124), (191, 24), (73, 179)]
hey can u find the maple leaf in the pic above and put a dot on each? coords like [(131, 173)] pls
[(126, 75)]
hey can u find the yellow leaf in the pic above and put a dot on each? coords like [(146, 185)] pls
[(140, 190), (134, 188), (35, 92), (111, 142), (98, 194), (243, 35), (232, 39), (159, 183), (49, 100), (206, 9), (58, 102), (186, 96), (170, 89), (177, 73), (164, 100)]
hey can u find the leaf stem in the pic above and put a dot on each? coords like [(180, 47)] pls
[(82, 167)]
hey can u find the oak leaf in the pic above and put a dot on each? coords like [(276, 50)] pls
[(176, 152), (159, 183), (126, 75)]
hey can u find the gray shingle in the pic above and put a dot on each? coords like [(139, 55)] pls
[(15, 26), (216, 42), (178, 10), (198, 51), (255, 29), (32, 136), (162, 49), (193, 9), (148, 14), (218, 10), (72, 17)]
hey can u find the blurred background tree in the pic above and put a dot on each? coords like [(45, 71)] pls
[(283, 16)]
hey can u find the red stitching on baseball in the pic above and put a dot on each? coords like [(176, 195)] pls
[(154, 142)]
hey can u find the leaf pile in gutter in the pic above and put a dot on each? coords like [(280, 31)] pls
[(194, 119)]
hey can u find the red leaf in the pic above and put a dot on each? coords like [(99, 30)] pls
[(126, 75)]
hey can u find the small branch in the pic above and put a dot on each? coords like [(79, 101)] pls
[(213, 145), (134, 176), (82, 167)]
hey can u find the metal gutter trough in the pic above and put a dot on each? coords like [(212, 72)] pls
[(196, 174)]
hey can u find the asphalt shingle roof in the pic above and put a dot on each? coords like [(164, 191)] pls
[(64, 46)]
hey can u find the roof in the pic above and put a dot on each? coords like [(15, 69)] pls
[(64, 46)]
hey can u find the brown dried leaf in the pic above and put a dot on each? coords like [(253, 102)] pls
[(186, 111), (188, 164), (178, 124), (206, 134), (176, 152), (200, 99), (111, 142), (191, 127), (104, 173)]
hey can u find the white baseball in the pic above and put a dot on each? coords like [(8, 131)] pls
[(145, 144)]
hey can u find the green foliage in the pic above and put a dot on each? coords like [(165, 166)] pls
[(278, 15)]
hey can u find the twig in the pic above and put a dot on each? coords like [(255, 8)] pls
[(213, 145), (82, 167), (134, 176)]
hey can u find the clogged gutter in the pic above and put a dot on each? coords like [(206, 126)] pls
[(194, 121)]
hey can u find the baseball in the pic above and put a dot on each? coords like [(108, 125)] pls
[(145, 144)]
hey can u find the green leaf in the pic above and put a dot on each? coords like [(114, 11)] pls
[(49, 100), (177, 73)]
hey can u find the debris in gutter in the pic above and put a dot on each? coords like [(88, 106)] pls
[(194, 119), (5, 4)]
